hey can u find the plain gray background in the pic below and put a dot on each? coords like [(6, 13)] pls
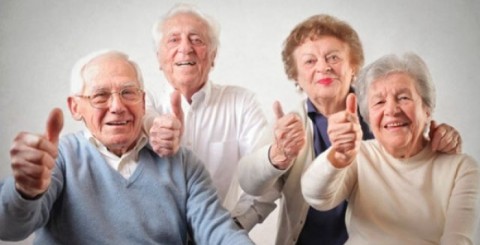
[(40, 41)]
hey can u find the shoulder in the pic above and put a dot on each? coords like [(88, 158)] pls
[(232, 91), (459, 161)]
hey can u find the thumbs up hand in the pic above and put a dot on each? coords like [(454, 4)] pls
[(33, 157), (345, 134), (167, 129), (289, 138)]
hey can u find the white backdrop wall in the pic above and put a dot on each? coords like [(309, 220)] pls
[(40, 40)]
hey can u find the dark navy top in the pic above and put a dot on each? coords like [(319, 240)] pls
[(326, 227)]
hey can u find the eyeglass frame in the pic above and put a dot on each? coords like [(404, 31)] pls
[(110, 95)]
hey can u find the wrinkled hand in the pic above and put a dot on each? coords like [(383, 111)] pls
[(289, 138), (33, 157), (166, 131), (345, 134), (445, 138)]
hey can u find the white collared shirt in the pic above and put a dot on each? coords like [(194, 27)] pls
[(127, 163), (222, 124)]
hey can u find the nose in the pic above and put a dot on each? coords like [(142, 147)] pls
[(322, 66), (116, 103), (391, 107), (185, 46)]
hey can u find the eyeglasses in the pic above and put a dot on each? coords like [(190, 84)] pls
[(101, 99)]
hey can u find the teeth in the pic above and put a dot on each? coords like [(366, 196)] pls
[(117, 123), (191, 63), (395, 124)]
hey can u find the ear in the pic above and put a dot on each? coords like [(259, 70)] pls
[(74, 107), (157, 53), (214, 55)]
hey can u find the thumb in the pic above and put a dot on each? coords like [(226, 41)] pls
[(277, 109), (54, 125), (176, 102), (433, 126), (352, 103)]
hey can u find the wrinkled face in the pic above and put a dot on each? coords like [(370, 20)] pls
[(324, 70), (184, 53), (397, 114), (118, 126)]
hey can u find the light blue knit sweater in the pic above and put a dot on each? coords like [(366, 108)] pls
[(88, 202)]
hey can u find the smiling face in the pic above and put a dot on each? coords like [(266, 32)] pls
[(324, 70), (397, 114), (184, 53), (119, 125)]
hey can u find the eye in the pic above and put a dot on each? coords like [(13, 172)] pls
[(403, 97), (332, 59), (196, 40), (99, 96), (310, 61), (378, 102), (173, 40), (130, 93)]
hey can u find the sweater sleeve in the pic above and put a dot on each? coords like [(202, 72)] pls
[(209, 221), (257, 175), (324, 186), (461, 221), (20, 217)]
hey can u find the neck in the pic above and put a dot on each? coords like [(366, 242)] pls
[(329, 106), (188, 92)]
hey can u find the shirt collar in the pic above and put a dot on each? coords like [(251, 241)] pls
[(202, 95), (141, 142)]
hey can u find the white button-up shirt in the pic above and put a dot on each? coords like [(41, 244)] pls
[(222, 124)]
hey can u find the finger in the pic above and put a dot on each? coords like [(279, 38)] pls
[(54, 125), (449, 142), (351, 103), (431, 133), (176, 102), (277, 110)]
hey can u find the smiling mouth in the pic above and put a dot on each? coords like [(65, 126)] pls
[(395, 125), (325, 81), (119, 123), (186, 63)]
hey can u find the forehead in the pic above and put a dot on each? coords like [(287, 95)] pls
[(322, 44), (393, 83), (184, 23), (109, 71)]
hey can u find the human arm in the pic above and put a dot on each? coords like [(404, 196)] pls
[(26, 198), (210, 222), (463, 209), (164, 130), (324, 186)]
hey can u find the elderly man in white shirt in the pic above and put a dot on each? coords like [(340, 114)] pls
[(219, 123)]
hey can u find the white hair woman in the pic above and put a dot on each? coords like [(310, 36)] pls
[(399, 191)]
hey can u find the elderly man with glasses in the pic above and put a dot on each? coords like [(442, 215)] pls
[(105, 185)]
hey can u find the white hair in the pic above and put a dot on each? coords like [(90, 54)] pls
[(77, 81), (213, 28)]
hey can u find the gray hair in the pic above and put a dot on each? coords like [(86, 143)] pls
[(410, 64), (77, 82), (213, 28)]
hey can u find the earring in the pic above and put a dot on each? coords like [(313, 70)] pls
[(298, 88)]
